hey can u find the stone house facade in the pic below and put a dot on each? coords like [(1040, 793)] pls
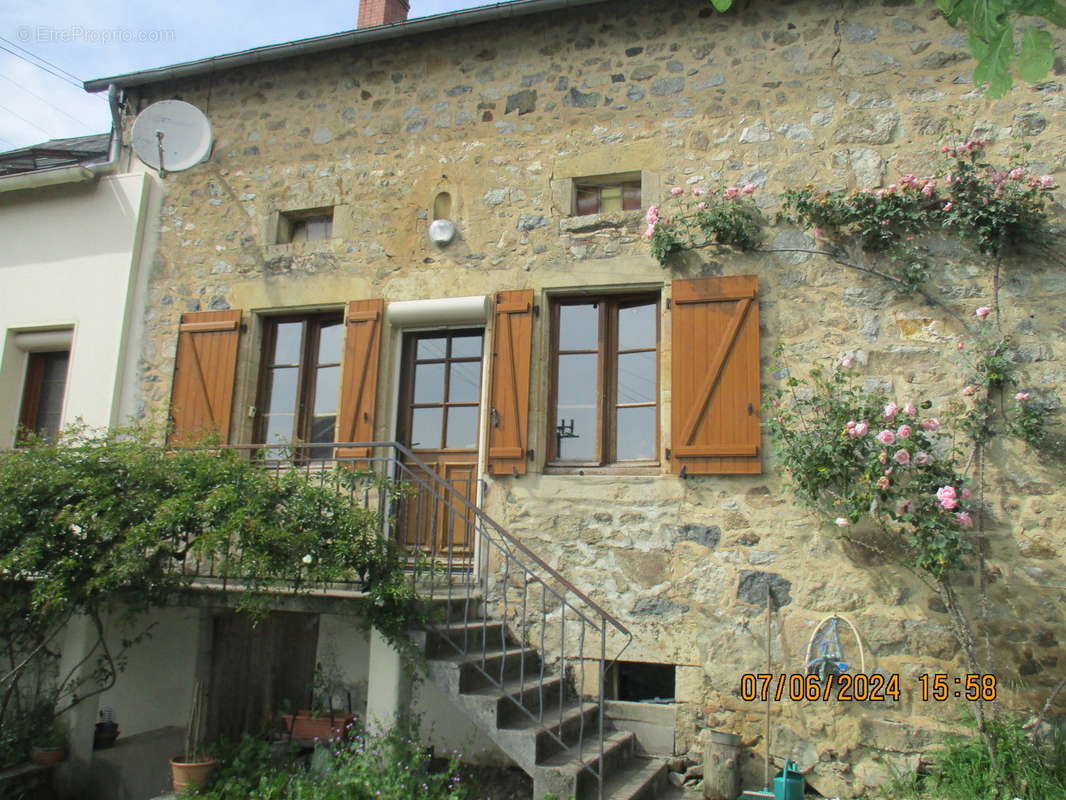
[(542, 135)]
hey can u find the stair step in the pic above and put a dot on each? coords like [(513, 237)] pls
[(640, 779), (574, 772), (579, 721), (525, 692), (478, 670), (613, 743), (468, 636)]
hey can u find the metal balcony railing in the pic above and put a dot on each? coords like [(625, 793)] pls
[(478, 566)]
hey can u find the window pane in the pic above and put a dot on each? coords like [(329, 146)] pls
[(429, 383), (588, 200), (426, 427), (462, 427), (283, 390), (636, 327), (610, 199), (327, 389), (319, 228), (322, 428), (580, 443), (636, 378), (287, 346), (579, 327), (278, 428), (636, 433), (466, 347), (431, 348), (631, 196), (330, 342), (576, 381), (464, 384)]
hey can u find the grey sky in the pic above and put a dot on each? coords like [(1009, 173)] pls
[(108, 37)]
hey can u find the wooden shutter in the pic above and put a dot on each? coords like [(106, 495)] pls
[(359, 379), (512, 346), (715, 376), (205, 369)]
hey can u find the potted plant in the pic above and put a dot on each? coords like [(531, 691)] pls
[(325, 719), (49, 743), (193, 767)]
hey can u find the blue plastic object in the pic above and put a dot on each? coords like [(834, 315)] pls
[(788, 785)]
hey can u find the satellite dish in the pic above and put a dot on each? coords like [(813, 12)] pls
[(171, 136)]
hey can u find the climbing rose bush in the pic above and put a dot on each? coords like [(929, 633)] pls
[(726, 216), (857, 455)]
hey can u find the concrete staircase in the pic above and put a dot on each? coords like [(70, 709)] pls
[(534, 714)]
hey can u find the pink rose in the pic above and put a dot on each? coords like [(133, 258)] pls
[(1047, 181), (902, 457), (731, 192), (930, 424), (676, 191), (946, 495), (882, 482), (960, 346), (842, 522), (862, 428), (1021, 397), (982, 312), (697, 191), (910, 410), (748, 188), (701, 205), (949, 503), (653, 215), (891, 410), (847, 362), (969, 391), (921, 458), (886, 437), (903, 431), (929, 189), (1016, 174), (649, 231), (883, 457), (948, 206), (966, 493), (818, 233), (964, 519)]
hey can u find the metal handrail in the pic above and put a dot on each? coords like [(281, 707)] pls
[(518, 560)]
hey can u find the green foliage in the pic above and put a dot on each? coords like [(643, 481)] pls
[(990, 24), (368, 766), (726, 216), (994, 208), (854, 455), (1023, 766)]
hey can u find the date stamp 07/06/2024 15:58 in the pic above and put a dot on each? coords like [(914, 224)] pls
[(937, 687)]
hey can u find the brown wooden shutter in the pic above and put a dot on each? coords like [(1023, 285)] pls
[(359, 379), (512, 346), (715, 376), (201, 399)]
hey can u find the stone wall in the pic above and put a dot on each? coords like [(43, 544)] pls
[(780, 94)]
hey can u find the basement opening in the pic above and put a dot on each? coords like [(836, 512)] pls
[(641, 682)]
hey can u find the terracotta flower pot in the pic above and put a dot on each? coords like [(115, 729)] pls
[(305, 727), (190, 773), (48, 755)]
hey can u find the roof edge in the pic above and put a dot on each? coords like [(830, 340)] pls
[(333, 41)]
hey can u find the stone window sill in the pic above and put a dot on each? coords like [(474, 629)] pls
[(299, 248), (596, 222), (649, 469)]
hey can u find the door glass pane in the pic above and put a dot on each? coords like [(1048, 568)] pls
[(330, 341), (431, 348), (636, 378), (462, 427), (326, 391), (636, 327), (278, 428), (426, 427), (466, 347), (283, 390), (429, 383), (322, 428), (579, 327), (636, 433), (464, 383), (287, 345)]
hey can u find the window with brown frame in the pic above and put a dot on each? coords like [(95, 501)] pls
[(607, 194), (300, 382), (605, 381), (42, 394)]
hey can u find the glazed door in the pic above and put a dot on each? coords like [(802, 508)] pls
[(440, 406)]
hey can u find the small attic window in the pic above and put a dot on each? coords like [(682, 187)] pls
[(607, 194), (311, 225)]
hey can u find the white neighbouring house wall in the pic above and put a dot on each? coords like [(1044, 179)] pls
[(70, 258)]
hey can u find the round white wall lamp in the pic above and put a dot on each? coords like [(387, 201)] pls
[(441, 232)]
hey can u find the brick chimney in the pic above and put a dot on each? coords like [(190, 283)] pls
[(382, 12)]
